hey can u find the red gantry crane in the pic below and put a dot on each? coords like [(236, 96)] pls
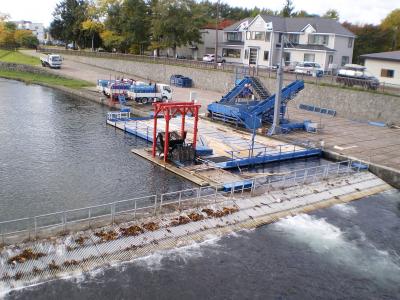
[(170, 110)]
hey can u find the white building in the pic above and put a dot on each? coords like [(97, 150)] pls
[(256, 41), (36, 28), (385, 66), (208, 38)]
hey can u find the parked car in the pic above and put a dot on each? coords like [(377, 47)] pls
[(290, 66), (309, 68), (352, 74), (211, 58)]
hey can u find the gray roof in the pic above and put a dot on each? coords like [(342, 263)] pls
[(235, 26), (392, 56), (321, 25)]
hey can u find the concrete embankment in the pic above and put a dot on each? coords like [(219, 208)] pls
[(358, 105), (389, 175)]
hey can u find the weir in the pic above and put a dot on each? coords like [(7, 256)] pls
[(65, 243)]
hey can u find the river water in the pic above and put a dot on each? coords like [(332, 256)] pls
[(56, 152)]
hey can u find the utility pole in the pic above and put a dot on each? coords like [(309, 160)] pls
[(278, 95), (216, 36)]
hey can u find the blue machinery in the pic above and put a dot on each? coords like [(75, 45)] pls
[(237, 108)]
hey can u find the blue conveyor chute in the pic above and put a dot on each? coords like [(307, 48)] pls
[(252, 114)]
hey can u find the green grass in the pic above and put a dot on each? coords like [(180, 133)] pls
[(44, 79), (18, 57)]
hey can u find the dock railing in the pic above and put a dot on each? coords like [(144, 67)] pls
[(135, 209)]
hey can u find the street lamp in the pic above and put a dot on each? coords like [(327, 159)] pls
[(216, 35)]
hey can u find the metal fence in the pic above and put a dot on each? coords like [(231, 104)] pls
[(139, 208), (266, 72)]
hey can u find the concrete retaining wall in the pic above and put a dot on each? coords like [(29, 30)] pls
[(357, 105), (389, 175)]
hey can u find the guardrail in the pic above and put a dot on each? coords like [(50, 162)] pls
[(61, 222), (266, 72)]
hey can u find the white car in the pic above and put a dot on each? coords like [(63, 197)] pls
[(309, 68), (211, 58)]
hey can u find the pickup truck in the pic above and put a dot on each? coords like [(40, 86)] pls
[(352, 74), (53, 61)]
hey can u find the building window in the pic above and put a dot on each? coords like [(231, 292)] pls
[(246, 54), (293, 38), (232, 53), (234, 36), (330, 59), (267, 36), (255, 35), (350, 44), (345, 60), (387, 73), (318, 39), (309, 57), (266, 55)]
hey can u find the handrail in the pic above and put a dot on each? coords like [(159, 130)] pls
[(32, 223)]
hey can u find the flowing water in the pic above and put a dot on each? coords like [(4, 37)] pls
[(56, 152)]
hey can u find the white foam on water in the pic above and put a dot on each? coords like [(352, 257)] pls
[(345, 210), (154, 261), (359, 255)]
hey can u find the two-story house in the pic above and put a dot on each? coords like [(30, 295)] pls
[(231, 48), (257, 41)]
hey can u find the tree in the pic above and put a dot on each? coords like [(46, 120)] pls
[(392, 24), (175, 23), (7, 39), (331, 14), (111, 40), (288, 9), (68, 17), (370, 39), (136, 25), (25, 38), (94, 28)]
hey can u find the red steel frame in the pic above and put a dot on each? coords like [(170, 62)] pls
[(169, 111)]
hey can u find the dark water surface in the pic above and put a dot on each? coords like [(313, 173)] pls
[(57, 153)]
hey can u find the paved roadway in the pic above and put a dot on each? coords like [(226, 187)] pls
[(379, 145)]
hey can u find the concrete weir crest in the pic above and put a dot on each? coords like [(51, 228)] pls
[(138, 227)]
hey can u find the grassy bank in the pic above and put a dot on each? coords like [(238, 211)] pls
[(44, 79), (18, 57)]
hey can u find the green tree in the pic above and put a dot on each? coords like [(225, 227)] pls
[(68, 17), (111, 40), (392, 24), (175, 23), (370, 39), (331, 14), (7, 39), (288, 9), (25, 38), (136, 25)]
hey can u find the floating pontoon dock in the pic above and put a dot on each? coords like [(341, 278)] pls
[(220, 147)]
